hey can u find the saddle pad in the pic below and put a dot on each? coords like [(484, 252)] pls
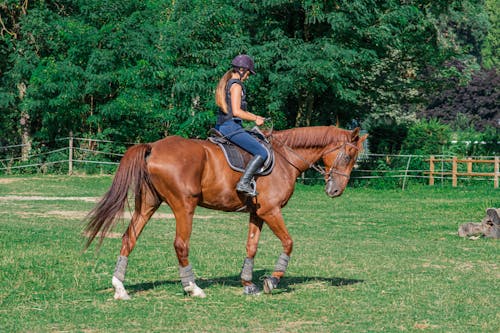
[(238, 158)]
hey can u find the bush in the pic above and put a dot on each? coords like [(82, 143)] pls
[(473, 105), (386, 136), (473, 143), (426, 137)]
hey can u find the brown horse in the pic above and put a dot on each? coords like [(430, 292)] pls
[(186, 173)]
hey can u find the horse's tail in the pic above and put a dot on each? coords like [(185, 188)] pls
[(132, 171)]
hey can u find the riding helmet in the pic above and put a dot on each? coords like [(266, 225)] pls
[(243, 61)]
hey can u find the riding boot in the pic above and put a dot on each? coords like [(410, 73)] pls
[(244, 185)]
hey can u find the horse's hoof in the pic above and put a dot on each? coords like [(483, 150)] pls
[(270, 283), (123, 296), (120, 292), (194, 291), (251, 290)]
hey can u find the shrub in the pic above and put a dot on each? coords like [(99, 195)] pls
[(473, 143), (426, 137), (386, 136)]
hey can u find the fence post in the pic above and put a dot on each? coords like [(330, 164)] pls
[(70, 154), (469, 165), (497, 172), (454, 172), (406, 172), (431, 170)]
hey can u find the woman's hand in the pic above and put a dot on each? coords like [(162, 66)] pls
[(259, 120)]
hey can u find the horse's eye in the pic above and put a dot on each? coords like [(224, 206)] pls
[(347, 158)]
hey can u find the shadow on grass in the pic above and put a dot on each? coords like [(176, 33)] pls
[(287, 284)]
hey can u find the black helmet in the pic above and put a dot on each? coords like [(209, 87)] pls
[(243, 61)]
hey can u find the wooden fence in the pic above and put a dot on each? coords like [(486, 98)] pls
[(469, 162), (71, 153)]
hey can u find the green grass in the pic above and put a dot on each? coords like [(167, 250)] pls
[(369, 261)]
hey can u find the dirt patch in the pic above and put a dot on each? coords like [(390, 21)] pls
[(108, 235), (77, 214), (8, 180), (40, 198), (82, 215)]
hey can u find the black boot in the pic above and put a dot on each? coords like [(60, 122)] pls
[(244, 185)]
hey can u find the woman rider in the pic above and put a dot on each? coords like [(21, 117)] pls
[(230, 96)]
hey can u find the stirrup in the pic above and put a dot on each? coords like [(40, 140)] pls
[(250, 190)]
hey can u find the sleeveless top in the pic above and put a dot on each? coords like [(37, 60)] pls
[(223, 117)]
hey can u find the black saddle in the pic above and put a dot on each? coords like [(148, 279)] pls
[(238, 158)]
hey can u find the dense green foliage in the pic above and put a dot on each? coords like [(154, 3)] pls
[(426, 138), (138, 70)]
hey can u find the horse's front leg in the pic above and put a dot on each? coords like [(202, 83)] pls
[(254, 230), (184, 226), (276, 223)]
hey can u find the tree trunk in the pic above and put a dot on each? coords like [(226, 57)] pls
[(25, 125), (305, 110)]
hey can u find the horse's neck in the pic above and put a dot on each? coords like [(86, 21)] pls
[(309, 156), (304, 146)]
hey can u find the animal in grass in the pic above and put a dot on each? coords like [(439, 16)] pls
[(489, 226), (186, 173)]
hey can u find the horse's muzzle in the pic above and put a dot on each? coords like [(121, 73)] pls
[(332, 189)]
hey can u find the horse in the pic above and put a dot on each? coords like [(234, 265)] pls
[(186, 173)]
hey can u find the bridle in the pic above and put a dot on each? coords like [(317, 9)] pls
[(333, 169)]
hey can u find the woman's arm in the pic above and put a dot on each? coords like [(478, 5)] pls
[(237, 111)]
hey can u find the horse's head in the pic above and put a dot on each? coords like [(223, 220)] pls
[(339, 159)]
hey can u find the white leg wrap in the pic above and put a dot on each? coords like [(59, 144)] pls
[(282, 263), (187, 279), (193, 290), (119, 277), (121, 268), (247, 269), (120, 292)]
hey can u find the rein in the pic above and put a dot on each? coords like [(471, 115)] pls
[(315, 165)]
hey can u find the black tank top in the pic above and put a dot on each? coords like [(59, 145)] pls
[(223, 117)]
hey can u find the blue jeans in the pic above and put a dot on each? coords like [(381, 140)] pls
[(234, 132)]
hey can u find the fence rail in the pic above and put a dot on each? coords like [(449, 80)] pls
[(74, 154), (469, 162)]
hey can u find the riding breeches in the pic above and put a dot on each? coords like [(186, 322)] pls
[(235, 133)]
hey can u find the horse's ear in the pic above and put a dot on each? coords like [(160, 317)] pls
[(355, 134)]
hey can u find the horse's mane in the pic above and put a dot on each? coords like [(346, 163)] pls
[(310, 137)]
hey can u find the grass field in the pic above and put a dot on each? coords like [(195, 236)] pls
[(369, 261)]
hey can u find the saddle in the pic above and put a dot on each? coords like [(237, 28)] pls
[(238, 158)]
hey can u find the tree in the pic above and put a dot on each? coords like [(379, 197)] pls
[(489, 52), (93, 70), (474, 105), (136, 71), (329, 62), (13, 84), (198, 41)]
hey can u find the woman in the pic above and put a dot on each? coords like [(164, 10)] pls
[(230, 96)]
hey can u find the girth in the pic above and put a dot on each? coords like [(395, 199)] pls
[(238, 158)]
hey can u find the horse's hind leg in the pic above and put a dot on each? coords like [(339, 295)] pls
[(129, 239)]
